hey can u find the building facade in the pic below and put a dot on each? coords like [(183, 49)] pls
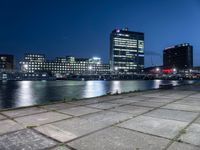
[(178, 56), (63, 65), (6, 62), (126, 51)]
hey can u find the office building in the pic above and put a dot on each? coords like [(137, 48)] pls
[(178, 56), (6, 62), (63, 65), (126, 51)]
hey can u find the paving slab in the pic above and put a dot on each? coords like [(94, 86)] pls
[(135, 98), (128, 100), (182, 107), (103, 105), (73, 128), (7, 126), (182, 146), (171, 94), (156, 126), (198, 121), (66, 130), (2, 117), (39, 119), (158, 94), (189, 101), (107, 117), (78, 111), (85, 102), (135, 110), (179, 94), (162, 100), (60, 148), (25, 140), (23, 112), (118, 139), (192, 135), (58, 106), (173, 114), (148, 104), (196, 95), (96, 100)]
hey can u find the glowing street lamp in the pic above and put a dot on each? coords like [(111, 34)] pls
[(174, 70), (157, 69), (116, 68)]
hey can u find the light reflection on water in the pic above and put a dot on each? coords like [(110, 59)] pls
[(25, 93)]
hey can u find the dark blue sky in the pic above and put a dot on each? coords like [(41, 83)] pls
[(82, 27)]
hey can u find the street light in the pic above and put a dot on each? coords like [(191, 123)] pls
[(157, 69)]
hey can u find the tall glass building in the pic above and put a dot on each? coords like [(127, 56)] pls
[(126, 51)]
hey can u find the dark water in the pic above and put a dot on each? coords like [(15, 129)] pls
[(26, 93)]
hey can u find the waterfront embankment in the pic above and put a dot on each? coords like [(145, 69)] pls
[(148, 120)]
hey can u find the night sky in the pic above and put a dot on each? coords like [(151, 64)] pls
[(82, 27)]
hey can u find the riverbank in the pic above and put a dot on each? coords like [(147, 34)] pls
[(149, 120)]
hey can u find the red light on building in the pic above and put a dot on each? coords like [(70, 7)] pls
[(167, 70)]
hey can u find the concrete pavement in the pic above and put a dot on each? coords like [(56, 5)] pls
[(149, 120)]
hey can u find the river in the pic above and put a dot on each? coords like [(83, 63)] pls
[(27, 93)]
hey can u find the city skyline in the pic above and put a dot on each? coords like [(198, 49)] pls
[(70, 28)]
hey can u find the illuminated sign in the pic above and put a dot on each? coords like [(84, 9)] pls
[(167, 70)]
